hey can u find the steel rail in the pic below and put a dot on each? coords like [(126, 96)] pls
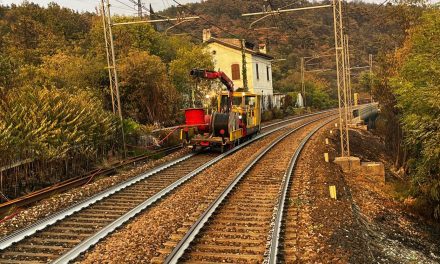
[(78, 181), (307, 115), (263, 127), (91, 241), (183, 245), (275, 236), (19, 235), (297, 118), (43, 223), (74, 182)]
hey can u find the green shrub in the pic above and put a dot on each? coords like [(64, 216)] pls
[(267, 115), (49, 123), (290, 110), (299, 111), (277, 113)]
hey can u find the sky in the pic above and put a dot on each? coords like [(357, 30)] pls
[(119, 6)]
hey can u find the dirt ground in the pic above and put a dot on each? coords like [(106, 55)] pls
[(319, 229), (365, 224), (400, 235)]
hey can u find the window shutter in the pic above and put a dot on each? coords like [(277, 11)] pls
[(235, 69), (268, 75), (258, 72)]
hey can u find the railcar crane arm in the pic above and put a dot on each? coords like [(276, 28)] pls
[(210, 75)]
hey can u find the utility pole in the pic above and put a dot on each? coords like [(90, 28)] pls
[(370, 62), (348, 76), (303, 85), (341, 78), (138, 4), (244, 66), (340, 65), (111, 58), (139, 7), (111, 66)]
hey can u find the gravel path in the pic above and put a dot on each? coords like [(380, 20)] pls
[(60, 201)]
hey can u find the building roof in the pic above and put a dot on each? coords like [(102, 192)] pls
[(236, 44)]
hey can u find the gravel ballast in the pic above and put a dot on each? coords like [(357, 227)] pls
[(143, 238), (60, 201)]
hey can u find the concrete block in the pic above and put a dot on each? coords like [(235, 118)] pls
[(373, 170), (348, 164), (358, 125)]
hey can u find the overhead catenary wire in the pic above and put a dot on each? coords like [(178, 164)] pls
[(125, 4), (197, 38), (280, 15), (208, 21), (165, 17), (125, 9)]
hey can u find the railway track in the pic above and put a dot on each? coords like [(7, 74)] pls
[(65, 235), (78, 223), (241, 224), (7, 207), (36, 196)]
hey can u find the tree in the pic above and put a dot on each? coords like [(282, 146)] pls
[(186, 60), (417, 89), (147, 94), (7, 74), (317, 95), (69, 71)]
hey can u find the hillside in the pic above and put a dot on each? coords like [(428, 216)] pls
[(373, 29)]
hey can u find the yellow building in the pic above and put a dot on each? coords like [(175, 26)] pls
[(227, 54)]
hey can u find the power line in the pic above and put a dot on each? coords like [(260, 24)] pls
[(206, 20), (124, 8), (280, 16), (122, 3), (150, 12)]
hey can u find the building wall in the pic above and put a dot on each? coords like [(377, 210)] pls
[(277, 100), (261, 84), (224, 57)]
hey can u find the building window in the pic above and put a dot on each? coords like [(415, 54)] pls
[(268, 73), (235, 69), (258, 72)]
